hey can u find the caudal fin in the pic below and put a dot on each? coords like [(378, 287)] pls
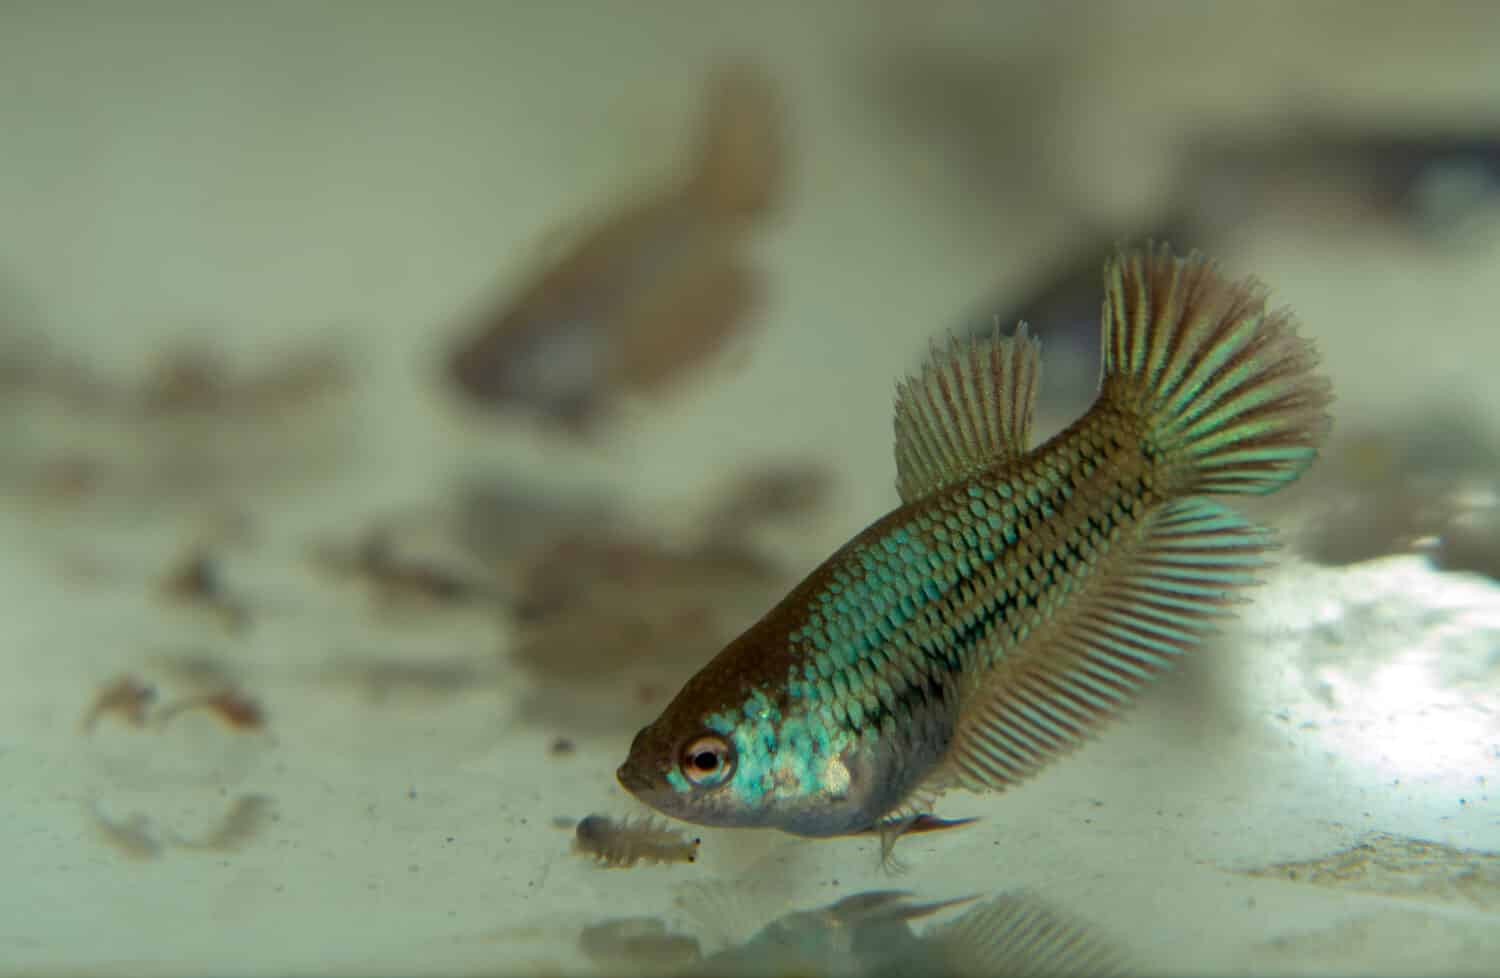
[(1227, 392)]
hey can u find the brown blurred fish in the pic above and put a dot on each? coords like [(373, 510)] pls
[(654, 289)]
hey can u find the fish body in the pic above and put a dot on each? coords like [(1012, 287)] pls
[(1018, 598)]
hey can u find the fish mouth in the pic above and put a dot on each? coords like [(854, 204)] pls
[(632, 780)]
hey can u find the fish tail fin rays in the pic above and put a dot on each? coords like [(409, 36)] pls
[(1226, 391)]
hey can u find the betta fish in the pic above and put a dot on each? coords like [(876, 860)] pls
[(1019, 597)]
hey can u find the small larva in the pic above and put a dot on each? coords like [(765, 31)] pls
[(620, 843)]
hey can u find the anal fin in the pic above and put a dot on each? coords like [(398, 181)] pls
[(1152, 600)]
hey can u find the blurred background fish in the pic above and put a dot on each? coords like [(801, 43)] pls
[(657, 287)]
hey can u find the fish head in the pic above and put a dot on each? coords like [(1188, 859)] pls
[(685, 765), (747, 757)]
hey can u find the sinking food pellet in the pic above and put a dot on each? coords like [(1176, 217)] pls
[(621, 843)]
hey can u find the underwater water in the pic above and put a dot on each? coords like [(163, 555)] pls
[(402, 401)]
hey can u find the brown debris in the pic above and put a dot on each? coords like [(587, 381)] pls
[(197, 581), (135, 836), (196, 381), (1400, 866), (127, 697), (139, 836), (401, 579), (132, 699), (237, 710)]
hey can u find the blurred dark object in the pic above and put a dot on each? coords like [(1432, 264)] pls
[(1427, 183), (142, 837), (1470, 543), (234, 708), (638, 945), (612, 617), (406, 567), (770, 492), (186, 381), (196, 423), (503, 524), (383, 680), (653, 291), (981, 125), (127, 697), (1430, 486), (197, 581), (1432, 185), (611, 623), (204, 382)]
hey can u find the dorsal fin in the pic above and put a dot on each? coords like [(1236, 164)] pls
[(969, 407)]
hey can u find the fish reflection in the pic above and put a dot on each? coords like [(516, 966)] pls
[(870, 934)]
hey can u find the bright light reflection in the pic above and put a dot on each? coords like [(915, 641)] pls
[(1401, 718)]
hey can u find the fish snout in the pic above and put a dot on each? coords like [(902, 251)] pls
[(632, 779)]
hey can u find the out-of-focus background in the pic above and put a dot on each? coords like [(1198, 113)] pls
[(401, 400)]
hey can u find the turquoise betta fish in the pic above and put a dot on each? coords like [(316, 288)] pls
[(1019, 597)]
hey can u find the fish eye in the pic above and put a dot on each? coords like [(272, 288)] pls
[(707, 760)]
